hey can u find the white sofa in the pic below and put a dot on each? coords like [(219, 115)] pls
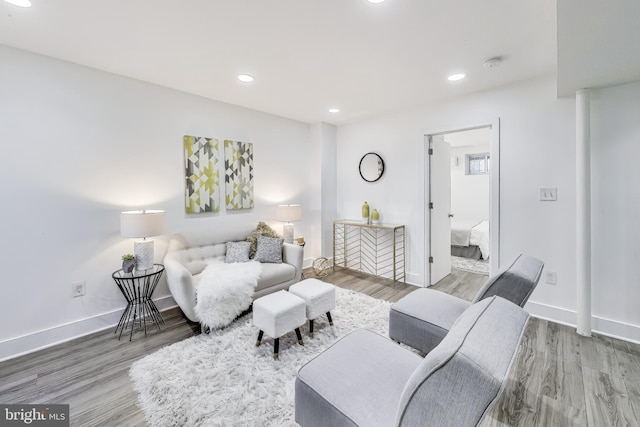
[(188, 253)]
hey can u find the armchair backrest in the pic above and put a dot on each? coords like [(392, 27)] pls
[(458, 381), (516, 283)]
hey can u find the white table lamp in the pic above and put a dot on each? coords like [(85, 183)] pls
[(288, 214), (142, 224)]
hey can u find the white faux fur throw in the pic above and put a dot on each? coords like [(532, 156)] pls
[(225, 291)]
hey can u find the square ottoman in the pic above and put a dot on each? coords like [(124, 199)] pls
[(319, 296), (277, 314)]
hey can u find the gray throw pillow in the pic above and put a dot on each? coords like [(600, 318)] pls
[(237, 252), (269, 250)]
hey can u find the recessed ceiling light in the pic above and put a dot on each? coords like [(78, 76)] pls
[(245, 78), (334, 110), (20, 3), (375, 1), (455, 77)]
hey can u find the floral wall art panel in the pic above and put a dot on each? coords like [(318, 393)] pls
[(238, 176), (202, 176)]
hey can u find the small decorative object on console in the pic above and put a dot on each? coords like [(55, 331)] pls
[(375, 217), (365, 213)]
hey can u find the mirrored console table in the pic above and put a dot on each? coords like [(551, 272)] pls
[(377, 249)]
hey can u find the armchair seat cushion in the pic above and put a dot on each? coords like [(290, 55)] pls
[(356, 381), (423, 318), (338, 389)]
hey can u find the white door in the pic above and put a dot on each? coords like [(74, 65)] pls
[(440, 208)]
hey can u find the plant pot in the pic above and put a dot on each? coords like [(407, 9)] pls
[(128, 265)]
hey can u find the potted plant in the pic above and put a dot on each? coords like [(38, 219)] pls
[(128, 263)]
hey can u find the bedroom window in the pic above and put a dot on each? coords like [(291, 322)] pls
[(477, 164)]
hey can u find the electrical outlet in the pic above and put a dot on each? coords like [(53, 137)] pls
[(548, 194), (551, 277), (78, 289)]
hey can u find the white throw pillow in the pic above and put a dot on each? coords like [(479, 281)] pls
[(237, 252), (269, 250)]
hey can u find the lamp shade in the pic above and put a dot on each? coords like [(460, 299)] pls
[(288, 213), (142, 223)]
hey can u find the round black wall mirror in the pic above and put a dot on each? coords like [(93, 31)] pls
[(371, 167)]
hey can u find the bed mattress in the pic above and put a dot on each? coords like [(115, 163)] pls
[(469, 233)]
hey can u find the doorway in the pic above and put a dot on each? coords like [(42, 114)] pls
[(462, 201)]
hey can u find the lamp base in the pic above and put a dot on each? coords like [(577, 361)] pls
[(287, 233), (143, 251)]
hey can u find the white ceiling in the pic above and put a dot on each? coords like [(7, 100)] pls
[(598, 44), (306, 55)]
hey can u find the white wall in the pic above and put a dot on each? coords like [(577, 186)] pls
[(77, 147), (469, 193), (615, 199), (537, 137), (324, 136)]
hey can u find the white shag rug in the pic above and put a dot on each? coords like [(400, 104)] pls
[(223, 379), (479, 266)]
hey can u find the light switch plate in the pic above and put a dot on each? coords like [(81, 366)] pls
[(548, 194)]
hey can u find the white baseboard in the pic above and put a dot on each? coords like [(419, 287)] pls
[(609, 327), (413, 279), (30, 343), (307, 262)]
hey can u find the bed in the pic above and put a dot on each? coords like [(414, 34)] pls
[(470, 238)]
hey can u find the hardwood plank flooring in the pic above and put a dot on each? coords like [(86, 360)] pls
[(558, 379)]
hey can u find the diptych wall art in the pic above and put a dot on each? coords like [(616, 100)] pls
[(238, 175), (202, 176)]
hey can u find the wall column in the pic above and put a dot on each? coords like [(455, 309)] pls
[(583, 211)]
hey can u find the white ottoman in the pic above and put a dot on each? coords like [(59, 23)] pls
[(277, 314), (319, 296)]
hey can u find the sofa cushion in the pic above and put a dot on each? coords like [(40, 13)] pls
[(237, 252), (273, 274), (201, 253), (269, 250), (338, 389)]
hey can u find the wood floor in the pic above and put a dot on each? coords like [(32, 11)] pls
[(558, 379)]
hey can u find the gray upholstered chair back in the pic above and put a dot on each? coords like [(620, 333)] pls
[(516, 283), (457, 382)]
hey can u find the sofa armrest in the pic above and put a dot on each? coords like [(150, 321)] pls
[(293, 254), (181, 285)]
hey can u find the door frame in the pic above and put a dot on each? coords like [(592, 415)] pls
[(494, 190)]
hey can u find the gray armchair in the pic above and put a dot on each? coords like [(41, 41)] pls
[(365, 379), (423, 318)]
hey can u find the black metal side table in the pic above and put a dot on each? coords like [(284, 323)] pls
[(137, 288)]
